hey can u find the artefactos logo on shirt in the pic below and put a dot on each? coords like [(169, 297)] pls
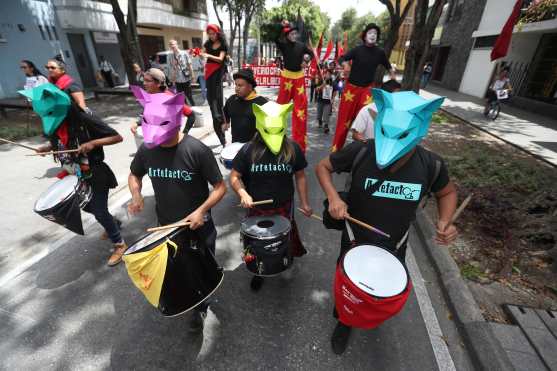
[(396, 190), (170, 174), (270, 167)]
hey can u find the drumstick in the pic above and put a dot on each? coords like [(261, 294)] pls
[(314, 216), (168, 226), (367, 226), (54, 152), (461, 208), (263, 202), (18, 144)]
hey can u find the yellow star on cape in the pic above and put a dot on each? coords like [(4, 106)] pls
[(300, 90), (368, 100), (300, 113), (334, 148), (288, 85), (348, 96)]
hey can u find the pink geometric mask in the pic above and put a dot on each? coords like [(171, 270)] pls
[(162, 115)]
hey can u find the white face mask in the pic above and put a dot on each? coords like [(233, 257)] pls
[(371, 36), (293, 36)]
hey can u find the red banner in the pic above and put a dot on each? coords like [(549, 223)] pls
[(269, 76)]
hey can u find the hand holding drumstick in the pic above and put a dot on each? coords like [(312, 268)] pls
[(446, 230)]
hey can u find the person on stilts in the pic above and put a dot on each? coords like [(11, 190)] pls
[(357, 92), (292, 80)]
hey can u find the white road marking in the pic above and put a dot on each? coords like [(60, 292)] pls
[(440, 349)]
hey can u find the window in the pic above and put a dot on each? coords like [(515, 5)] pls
[(48, 31), (185, 44), (485, 42), (42, 32), (55, 33)]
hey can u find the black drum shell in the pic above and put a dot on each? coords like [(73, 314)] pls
[(272, 255), (191, 276)]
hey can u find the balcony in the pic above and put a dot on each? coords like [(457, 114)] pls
[(86, 14), (168, 14), (538, 16)]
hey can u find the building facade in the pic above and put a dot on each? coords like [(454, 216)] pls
[(29, 29)]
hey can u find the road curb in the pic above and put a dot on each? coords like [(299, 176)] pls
[(485, 350)]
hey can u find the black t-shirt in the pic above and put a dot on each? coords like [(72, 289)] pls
[(239, 113), (267, 177), (365, 60), (214, 52), (180, 176), (293, 54), (393, 206)]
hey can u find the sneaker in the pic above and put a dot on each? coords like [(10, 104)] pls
[(104, 236), (116, 257), (197, 321), (326, 130), (340, 337), (256, 283)]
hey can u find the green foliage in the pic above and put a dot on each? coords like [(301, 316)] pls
[(471, 272), (353, 25), (16, 132), (315, 20)]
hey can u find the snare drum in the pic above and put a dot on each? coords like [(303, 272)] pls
[(266, 244), (229, 152), (62, 202), (171, 272), (371, 286)]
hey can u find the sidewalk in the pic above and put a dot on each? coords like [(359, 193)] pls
[(533, 133)]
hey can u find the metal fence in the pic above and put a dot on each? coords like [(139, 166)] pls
[(518, 76)]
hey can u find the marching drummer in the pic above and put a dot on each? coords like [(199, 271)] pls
[(68, 126), (266, 168), (180, 168), (238, 113), (154, 81), (389, 177)]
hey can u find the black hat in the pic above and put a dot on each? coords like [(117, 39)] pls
[(246, 74), (371, 26)]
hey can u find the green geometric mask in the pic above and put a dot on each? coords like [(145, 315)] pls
[(270, 121), (50, 103)]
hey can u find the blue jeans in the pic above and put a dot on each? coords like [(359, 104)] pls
[(202, 85), (98, 206)]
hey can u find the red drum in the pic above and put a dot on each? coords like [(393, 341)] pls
[(371, 285)]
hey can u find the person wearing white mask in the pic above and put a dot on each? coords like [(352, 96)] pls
[(357, 92)]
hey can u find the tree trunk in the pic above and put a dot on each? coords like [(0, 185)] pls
[(215, 7), (232, 23), (247, 23), (129, 44), (390, 42), (420, 42), (239, 45)]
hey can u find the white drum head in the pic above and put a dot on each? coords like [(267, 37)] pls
[(149, 239), (375, 271), (57, 193), (230, 151)]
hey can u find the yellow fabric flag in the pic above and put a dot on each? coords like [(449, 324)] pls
[(147, 270)]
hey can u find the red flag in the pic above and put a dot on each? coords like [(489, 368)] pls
[(501, 46), (338, 51), (317, 53), (328, 51)]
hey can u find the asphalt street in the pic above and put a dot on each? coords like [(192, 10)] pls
[(70, 311)]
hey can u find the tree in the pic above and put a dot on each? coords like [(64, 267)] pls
[(128, 38), (425, 22), (251, 9), (315, 20), (397, 15)]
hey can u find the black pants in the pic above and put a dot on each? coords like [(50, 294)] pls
[(185, 87), (214, 98), (107, 76), (206, 239), (98, 206), (189, 123)]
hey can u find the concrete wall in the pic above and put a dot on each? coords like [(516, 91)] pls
[(151, 12), (28, 44), (477, 74), (523, 47), (494, 17), (457, 33), (169, 33), (90, 15)]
